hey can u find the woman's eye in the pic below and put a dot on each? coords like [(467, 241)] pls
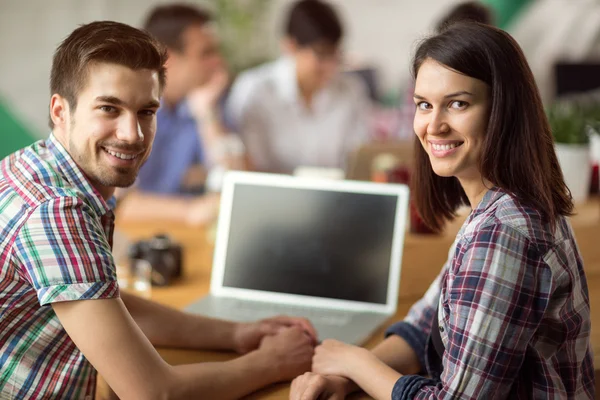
[(458, 105), (423, 105)]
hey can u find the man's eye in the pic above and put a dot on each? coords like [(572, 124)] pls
[(108, 109)]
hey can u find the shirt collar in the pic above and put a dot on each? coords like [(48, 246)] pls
[(75, 177), (285, 76), (489, 198)]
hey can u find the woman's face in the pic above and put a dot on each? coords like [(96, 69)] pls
[(451, 119)]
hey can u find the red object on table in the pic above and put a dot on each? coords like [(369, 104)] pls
[(595, 185), (401, 174)]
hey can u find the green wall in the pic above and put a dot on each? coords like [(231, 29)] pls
[(14, 134), (506, 10)]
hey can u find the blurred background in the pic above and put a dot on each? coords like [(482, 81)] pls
[(560, 38), (380, 34)]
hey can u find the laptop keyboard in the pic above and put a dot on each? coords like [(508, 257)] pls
[(257, 310)]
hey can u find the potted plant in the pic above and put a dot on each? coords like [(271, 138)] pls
[(242, 32), (570, 126)]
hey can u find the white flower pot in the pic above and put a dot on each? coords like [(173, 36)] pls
[(575, 162), (595, 145)]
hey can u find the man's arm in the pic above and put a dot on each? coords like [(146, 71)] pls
[(115, 345), (222, 148), (168, 327)]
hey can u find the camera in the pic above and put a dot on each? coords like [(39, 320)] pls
[(164, 256)]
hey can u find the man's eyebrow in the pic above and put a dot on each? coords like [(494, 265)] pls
[(118, 102), (111, 99), (152, 104)]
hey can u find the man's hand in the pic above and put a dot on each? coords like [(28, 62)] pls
[(202, 210), (204, 99), (247, 336), (289, 353), (311, 386)]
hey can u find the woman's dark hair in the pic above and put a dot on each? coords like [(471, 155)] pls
[(313, 21), (518, 149), (472, 11)]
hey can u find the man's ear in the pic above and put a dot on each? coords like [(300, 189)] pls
[(59, 110), (171, 57), (288, 45)]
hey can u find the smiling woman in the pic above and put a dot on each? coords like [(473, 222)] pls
[(451, 119), (486, 98), (508, 317)]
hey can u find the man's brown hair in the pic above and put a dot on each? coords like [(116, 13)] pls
[(167, 23), (102, 42)]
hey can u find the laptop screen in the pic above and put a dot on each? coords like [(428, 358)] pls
[(310, 242)]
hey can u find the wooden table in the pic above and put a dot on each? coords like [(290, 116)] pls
[(422, 260)]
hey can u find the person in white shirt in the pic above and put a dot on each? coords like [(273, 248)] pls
[(299, 110)]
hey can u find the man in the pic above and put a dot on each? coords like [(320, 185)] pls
[(191, 140), (61, 314), (299, 110)]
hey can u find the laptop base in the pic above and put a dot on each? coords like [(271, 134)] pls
[(353, 327)]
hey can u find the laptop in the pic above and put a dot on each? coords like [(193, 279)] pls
[(326, 250)]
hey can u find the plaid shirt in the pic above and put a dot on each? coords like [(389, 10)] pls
[(55, 245), (514, 312)]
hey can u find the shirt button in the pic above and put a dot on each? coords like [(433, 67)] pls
[(441, 328)]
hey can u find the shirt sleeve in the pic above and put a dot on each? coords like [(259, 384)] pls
[(498, 291), (238, 100), (416, 327), (360, 120), (247, 114), (64, 253)]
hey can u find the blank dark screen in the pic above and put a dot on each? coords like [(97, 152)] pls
[(576, 77), (310, 242)]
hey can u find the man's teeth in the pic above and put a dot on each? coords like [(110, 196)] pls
[(445, 146), (121, 155)]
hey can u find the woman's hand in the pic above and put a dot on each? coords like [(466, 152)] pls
[(333, 357), (356, 364)]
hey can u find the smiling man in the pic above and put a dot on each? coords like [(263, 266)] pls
[(62, 317)]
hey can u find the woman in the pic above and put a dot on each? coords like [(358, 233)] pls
[(300, 110), (508, 316)]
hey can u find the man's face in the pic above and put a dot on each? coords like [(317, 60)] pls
[(316, 64), (197, 62), (110, 133)]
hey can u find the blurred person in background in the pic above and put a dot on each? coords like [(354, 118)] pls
[(300, 110), (192, 140), (62, 315), (473, 11)]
